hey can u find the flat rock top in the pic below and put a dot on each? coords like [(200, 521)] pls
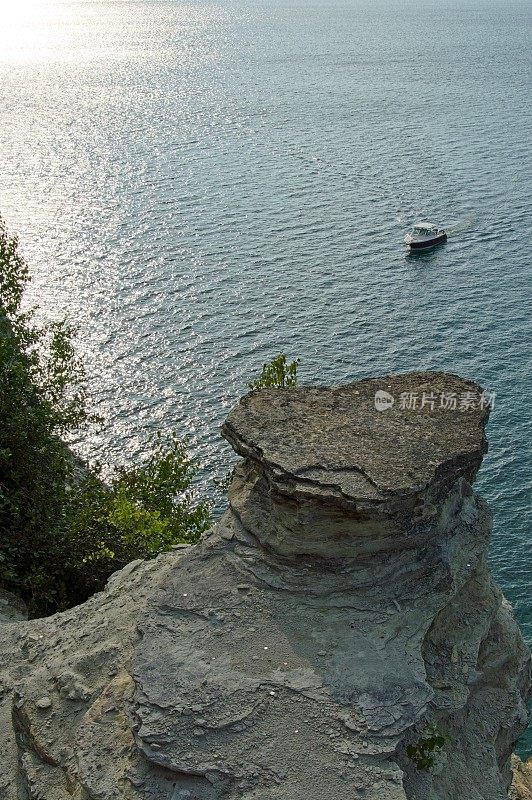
[(429, 425)]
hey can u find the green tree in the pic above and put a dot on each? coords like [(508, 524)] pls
[(277, 374), (41, 397), (62, 534)]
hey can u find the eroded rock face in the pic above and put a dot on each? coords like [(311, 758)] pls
[(522, 779), (302, 650)]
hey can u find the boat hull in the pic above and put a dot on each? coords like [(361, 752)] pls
[(427, 244)]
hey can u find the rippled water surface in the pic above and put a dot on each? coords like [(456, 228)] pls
[(201, 186)]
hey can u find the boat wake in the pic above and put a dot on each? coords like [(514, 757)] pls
[(461, 225), (406, 215)]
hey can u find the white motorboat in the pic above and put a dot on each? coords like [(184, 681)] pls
[(424, 236)]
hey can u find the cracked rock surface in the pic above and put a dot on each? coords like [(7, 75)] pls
[(303, 649)]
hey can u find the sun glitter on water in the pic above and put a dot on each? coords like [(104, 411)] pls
[(31, 29)]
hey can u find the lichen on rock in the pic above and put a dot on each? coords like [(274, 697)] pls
[(340, 609)]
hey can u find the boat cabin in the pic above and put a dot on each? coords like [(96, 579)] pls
[(424, 236), (425, 229)]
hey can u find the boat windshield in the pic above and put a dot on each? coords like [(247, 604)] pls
[(425, 229)]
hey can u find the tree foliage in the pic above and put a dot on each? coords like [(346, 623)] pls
[(277, 374), (61, 533), (140, 512)]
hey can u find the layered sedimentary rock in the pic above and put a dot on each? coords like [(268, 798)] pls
[(336, 635)]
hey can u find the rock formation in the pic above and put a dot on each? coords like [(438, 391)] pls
[(521, 788), (336, 635)]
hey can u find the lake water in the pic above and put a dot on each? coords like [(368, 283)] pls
[(201, 186)]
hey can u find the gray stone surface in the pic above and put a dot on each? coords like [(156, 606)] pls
[(340, 606), (12, 608), (334, 442)]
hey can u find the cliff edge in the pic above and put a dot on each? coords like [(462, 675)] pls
[(336, 635)]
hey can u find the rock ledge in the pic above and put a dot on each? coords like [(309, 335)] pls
[(340, 607)]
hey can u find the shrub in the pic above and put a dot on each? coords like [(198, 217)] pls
[(143, 511), (422, 751), (277, 374)]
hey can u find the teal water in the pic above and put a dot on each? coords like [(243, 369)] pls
[(203, 185)]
